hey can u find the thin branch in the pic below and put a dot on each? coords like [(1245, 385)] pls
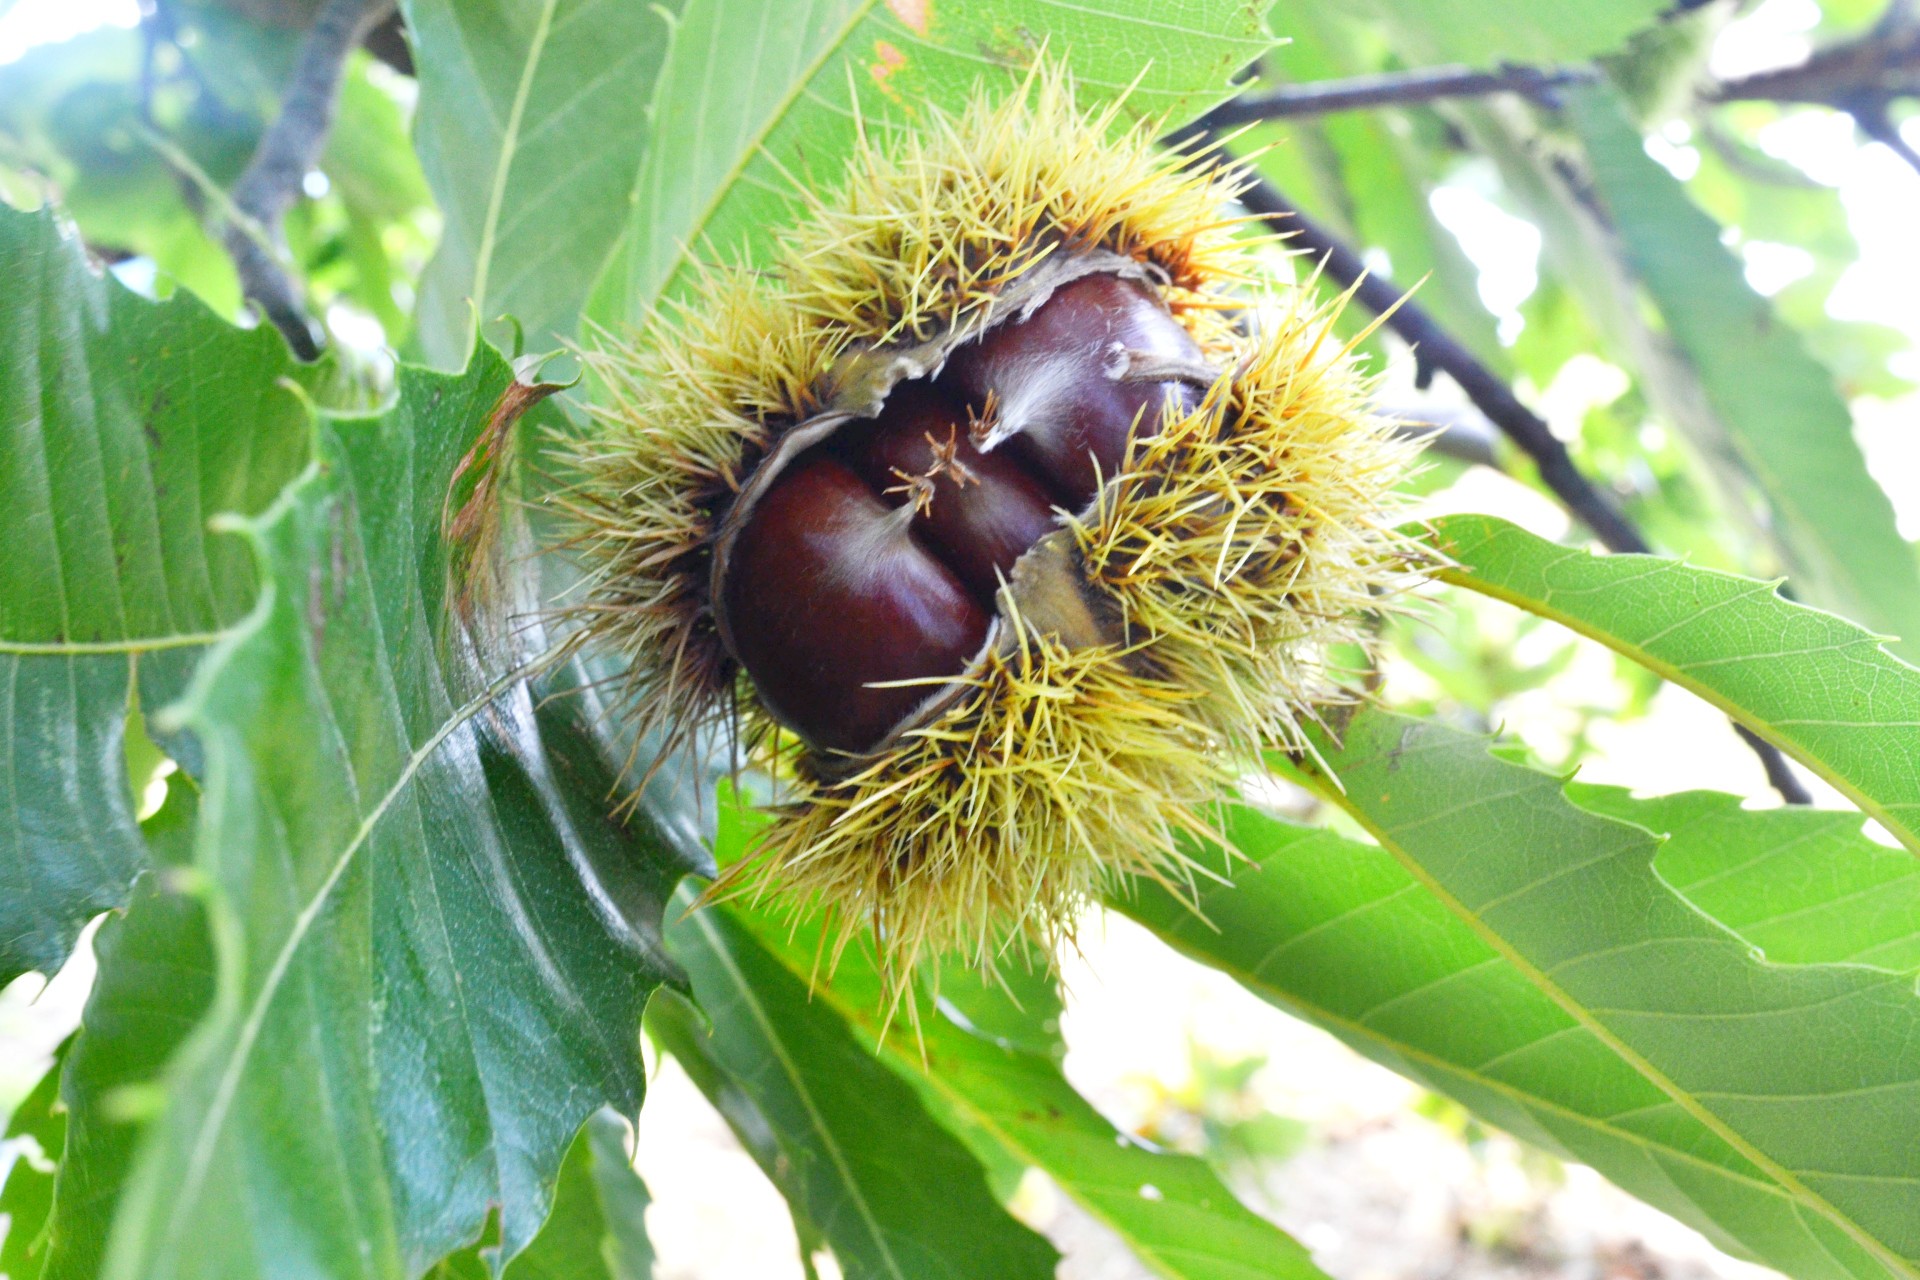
[(1399, 88), (1437, 349), (1874, 120), (287, 152), (1882, 65)]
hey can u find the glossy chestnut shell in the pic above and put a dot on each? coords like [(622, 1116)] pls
[(876, 557)]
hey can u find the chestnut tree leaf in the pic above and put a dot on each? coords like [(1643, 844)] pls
[(156, 981), (29, 1148), (1821, 688), (1804, 885), (851, 1145), (1491, 32), (431, 945), (125, 425), (1809, 1073), (755, 99), (1772, 415), (1344, 935), (598, 1228), (533, 118)]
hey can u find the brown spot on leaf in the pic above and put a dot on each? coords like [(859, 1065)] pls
[(915, 13), (889, 60)]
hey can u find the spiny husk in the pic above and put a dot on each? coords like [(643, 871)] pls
[(1059, 773), (1237, 546), (1242, 542), (924, 238), (1254, 535), (921, 242), (680, 415)]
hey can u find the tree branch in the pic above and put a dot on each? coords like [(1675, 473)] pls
[(1862, 77), (1438, 349), (1883, 64), (1401, 88), (287, 152)]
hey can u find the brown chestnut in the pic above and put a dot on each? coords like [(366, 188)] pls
[(977, 511), (1060, 379), (827, 593)]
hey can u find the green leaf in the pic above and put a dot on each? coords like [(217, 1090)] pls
[(432, 947), (28, 1156), (1819, 687), (597, 1230), (677, 1027), (753, 97), (1490, 32), (893, 1193), (1809, 1072), (1806, 886), (533, 119), (1775, 418), (1341, 934), (156, 981), (124, 426), (991, 1071)]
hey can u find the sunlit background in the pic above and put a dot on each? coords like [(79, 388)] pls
[(1380, 1178)]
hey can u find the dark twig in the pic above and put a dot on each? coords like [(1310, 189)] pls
[(287, 152), (1438, 349), (1862, 77), (1780, 774), (1881, 65), (1490, 393), (1876, 121), (1399, 88)]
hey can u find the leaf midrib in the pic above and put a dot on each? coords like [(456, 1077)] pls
[(749, 998), (696, 230), (132, 644), (250, 1026), (1787, 1180), (509, 150), (1323, 1016)]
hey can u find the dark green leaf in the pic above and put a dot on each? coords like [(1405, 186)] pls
[(597, 1230), (432, 948), (893, 1193), (124, 426), (156, 981)]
